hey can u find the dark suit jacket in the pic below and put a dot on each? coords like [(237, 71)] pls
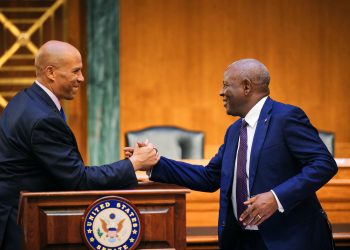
[(287, 156), (38, 152)]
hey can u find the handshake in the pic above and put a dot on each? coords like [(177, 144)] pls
[(143, 156)]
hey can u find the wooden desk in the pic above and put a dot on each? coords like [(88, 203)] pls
[(343, 168), (207, 237), (202, 209)]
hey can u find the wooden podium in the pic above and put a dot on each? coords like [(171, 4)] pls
[(52, 220)]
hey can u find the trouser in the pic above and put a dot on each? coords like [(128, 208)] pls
[(251, 240), (10, 232)]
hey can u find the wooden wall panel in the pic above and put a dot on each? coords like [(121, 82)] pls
[(24, 27), (174, 52), (77, 109)]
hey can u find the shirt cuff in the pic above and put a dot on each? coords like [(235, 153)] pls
[(149, 173), (280, 208)]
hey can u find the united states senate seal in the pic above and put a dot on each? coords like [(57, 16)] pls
[(111, 223)]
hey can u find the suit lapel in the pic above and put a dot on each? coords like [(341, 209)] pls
[(232, 151), (44, 97), (259, 138)]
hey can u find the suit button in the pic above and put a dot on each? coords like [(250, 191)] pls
[(223, 223)]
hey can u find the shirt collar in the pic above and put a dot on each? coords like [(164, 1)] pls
[(51, 95), (253, 115)]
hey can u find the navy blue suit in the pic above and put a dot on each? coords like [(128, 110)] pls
[(38, 152), (287, 156)]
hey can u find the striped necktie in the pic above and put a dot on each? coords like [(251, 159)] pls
[(241, 184)]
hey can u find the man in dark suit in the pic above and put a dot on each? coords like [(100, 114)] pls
[(38, 151), (268, 169)]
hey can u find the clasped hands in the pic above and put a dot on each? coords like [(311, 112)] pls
[(260, 208), (143, 155)]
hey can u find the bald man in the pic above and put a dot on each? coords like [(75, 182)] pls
[(38, 151), (268, 169)]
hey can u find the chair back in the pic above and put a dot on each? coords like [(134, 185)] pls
[(172, 142), (328, 140)]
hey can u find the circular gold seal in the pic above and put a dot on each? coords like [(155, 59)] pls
[(111, 223)]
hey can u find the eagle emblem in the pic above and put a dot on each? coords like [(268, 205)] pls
[(111, 222), (112, 228)]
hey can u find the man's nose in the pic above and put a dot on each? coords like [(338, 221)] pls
[(81, 77), (221, 92)]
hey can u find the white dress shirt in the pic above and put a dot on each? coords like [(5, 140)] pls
[(51, 95)]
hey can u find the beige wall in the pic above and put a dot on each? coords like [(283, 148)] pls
[(174, 52)]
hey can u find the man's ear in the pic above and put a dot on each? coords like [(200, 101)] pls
[(50, 72), (247, 86)]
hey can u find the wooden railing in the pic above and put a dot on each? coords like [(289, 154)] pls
[(202, 210)]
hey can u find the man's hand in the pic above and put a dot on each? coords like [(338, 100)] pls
[(143, 156), (260, 208), (128, 151)]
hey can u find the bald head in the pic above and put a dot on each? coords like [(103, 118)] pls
[(59, 68), (53, 53), (245, 83), (251, 69)]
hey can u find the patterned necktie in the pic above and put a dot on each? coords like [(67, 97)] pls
[(241, 183), (62, 114)]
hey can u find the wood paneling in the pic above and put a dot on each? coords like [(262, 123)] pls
[(77, 109), (202, 209), (173, 54), (24, 26)]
